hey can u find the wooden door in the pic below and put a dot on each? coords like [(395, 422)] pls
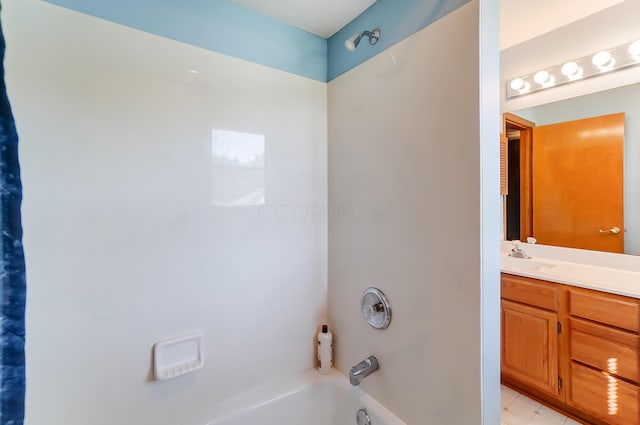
[(530, 346), (578, 183)]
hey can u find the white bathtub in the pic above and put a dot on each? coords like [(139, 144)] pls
[(309, 399)]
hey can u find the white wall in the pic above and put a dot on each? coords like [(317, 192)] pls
[(404, 151), (124, 246)]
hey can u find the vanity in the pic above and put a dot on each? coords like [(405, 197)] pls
[(571, 317), (570, 331)]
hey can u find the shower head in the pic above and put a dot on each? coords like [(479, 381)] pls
[(353, 42)]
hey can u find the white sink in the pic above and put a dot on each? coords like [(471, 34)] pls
[(524, 264)]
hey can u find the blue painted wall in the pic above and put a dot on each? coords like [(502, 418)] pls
[(227, 28), (217, 25), (396, 19)]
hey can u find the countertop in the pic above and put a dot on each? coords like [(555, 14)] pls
[(606, 279)]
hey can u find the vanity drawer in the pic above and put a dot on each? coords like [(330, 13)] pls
[(529, 291), (618, 311), (603, 396), (612, 350)]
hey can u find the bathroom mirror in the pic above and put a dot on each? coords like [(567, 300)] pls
[(602, 95), (603, 103)]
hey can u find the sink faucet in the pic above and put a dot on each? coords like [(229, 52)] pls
[(362, 370), (517, 251)]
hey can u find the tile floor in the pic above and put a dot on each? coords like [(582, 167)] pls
[(520, 410)]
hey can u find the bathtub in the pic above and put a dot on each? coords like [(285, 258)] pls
[(309, 399)]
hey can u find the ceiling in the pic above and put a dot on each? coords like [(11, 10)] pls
[(323, 18), (520, 20)]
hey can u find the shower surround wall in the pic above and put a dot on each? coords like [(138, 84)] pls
[(125, 244), (404, 179)]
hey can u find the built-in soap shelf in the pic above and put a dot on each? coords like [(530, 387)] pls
[(176, 356)]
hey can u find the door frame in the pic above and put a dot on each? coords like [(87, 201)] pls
[(526, 170)]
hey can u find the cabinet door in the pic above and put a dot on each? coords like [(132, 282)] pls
[(530, 346), (604, 396)]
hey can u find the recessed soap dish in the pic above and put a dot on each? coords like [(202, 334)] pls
[(177, 356)]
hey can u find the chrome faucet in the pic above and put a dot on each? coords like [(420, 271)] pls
[(517, 251), (362, 370)]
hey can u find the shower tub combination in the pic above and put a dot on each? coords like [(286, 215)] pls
[(310, 399)]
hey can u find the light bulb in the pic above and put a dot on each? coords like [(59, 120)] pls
[(572, 71), (517, 83), (603, 60), (634, 50), (544, 79), (569, 69), (541, 77)]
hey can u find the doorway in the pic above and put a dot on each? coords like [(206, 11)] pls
[(518, 215)]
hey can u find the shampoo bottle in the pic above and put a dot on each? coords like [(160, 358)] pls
[(325, 350)]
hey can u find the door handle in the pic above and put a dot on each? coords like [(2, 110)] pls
[(613, 230)]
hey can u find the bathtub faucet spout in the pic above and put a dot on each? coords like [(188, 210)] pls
[(362, 370)]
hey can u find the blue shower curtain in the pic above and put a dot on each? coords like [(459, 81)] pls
[(12, 271)]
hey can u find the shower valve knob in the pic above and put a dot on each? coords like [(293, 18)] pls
[(376, 308), (369, 310)]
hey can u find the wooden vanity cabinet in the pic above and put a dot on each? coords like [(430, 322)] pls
[(529, 333), (575, 349)]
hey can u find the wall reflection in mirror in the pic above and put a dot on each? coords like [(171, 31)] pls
[(238, 168), (605, 103)]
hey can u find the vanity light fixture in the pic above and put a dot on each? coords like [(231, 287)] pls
[(604, 61)]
